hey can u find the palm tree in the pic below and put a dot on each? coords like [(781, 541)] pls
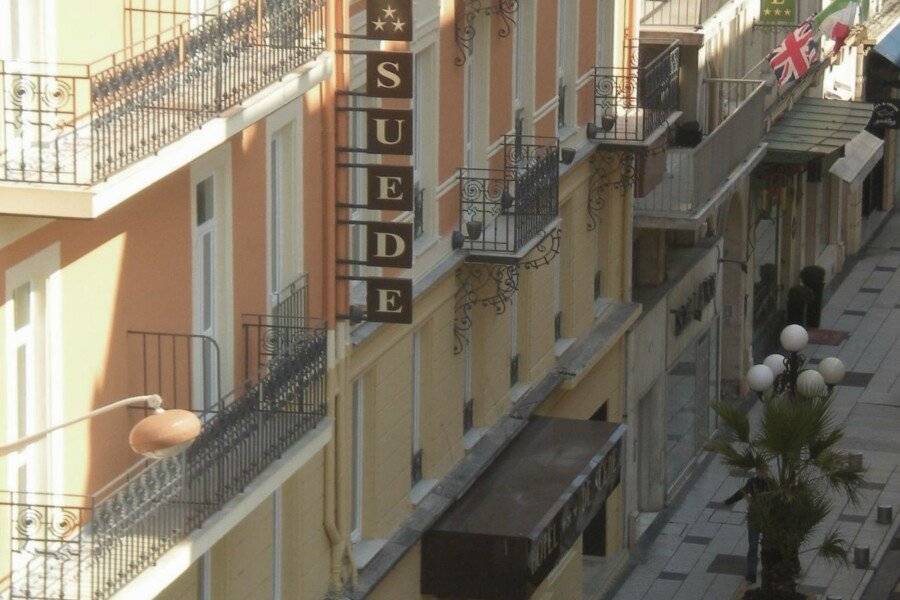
[(797, 441)]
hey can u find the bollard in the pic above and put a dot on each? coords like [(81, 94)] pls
[(885, 514), (861, 557)]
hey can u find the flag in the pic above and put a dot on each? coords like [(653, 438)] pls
[(792, 59), (835, 20)]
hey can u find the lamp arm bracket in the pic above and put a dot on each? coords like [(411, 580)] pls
[(152, 401)]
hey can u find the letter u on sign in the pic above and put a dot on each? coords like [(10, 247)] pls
[(389, 300), (389, 131)]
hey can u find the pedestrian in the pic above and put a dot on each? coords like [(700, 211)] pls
[(756, 485)]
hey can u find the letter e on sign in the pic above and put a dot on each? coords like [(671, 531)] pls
[(389, 74), (389, 300), (389, 244), (389, 188)]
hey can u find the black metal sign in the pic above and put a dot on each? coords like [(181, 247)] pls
[(389, 20), (389, 300), (389, 131)]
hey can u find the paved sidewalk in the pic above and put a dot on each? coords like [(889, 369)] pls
[(700, 552)]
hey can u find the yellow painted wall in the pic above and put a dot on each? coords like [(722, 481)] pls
[(242, 560), (403, 581), (565, 581), (186, 587), (305, 549), (605, 383)]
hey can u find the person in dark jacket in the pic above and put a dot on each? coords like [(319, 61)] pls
[(757, 484)]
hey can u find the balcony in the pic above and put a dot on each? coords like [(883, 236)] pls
[(506, 212), (699, 178), (79, 124), (92, 548), (633, 106)]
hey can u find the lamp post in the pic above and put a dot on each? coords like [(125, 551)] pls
[(780, 372), (159, 435)]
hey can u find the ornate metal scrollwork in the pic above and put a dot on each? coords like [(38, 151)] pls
[(548, 249), (466, 13), (609, 171), (486, 284)]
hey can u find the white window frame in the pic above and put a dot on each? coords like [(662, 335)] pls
[(215, 165), (424, 99), (43, 338), (277, 543), (469, 113), (358, 464), (416, 404), (284, 199)]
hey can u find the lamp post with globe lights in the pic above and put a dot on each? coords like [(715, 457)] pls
[(785, 372)]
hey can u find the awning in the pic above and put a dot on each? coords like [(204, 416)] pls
[(860, 156), (503, 537), (816, 127), (889, 46)]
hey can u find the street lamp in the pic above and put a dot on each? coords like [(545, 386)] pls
[(783, 372), (159, 435)]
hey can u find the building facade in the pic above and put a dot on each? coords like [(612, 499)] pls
[(609, 212)]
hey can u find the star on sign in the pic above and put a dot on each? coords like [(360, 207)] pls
[(389, 12), (398, 25), (379, 24), (768, 12)]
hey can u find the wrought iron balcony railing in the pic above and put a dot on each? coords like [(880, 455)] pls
[(81, 123), (631, 103), (502, 210), (90, 548)]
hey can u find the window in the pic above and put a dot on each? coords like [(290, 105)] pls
[(468, 401), (357, 139), (285, 214), (557, 300), (563, 61), (514, 339), (416, 411), (357, 464), (424, 68), (205, 281), (29, 372), (277, 529), (469, 125), (605, 32)]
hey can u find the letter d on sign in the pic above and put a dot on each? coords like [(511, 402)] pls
[(389, 300), (389, 244)]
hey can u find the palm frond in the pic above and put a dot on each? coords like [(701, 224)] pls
[(734, 419), (731, 456), (834, 548)]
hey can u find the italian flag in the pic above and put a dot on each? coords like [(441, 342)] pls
[(835, 20)]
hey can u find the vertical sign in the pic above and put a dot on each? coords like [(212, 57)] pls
[(778, 12), (388, 244)]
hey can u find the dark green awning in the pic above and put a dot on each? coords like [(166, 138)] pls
[(816, 127)]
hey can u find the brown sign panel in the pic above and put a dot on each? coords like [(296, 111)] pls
[(389, 300), (389, 131), (389, 74), (389, 20), (389, 188), (389, 244)]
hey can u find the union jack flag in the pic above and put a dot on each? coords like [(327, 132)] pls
[(792, 59)]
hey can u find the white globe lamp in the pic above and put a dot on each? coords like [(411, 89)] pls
[(794, 338), (832, 370), (776, 363), (811, 384), (760, 378)]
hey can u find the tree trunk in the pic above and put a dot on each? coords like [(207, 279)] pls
[(779, 573)]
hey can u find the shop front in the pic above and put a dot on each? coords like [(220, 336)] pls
[(521, 530)]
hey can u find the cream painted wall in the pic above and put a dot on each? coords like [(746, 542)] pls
[(242, 560)]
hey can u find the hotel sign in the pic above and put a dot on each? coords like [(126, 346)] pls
[(778, 12), (389, 132)]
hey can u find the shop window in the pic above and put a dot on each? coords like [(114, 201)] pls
[(688, 394)]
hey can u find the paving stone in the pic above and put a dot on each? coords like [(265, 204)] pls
[(728, 564), (669, 575)]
